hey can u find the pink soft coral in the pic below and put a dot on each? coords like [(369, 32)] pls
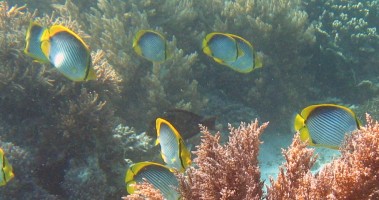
[(231, 171)]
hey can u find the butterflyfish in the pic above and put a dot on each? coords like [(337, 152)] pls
[(232, 51), (326, 125), (151, 45), (248, 61), (160, 176), (6, 173), (186, 122), (173, 150), (33, 42), (68, 53), (221, 47)]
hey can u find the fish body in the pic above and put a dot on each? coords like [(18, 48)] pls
[(221, 47), (248, 61), (186, 122), (33, 42), (326, 125), (160, 176), (151, 45), (232, 51), (68, 53), (173, 150), (6, 169)]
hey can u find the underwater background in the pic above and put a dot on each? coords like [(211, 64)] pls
[(75, 140)]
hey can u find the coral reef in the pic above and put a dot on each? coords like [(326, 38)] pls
[(358, 165), (231, 171), (145, 191), (347, 35), (161, 87), (54, 121), (279, 29), (77, 131), (294, 179), (217, 174)]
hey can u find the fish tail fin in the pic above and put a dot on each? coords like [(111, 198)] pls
[(258, 63), (91, 74)]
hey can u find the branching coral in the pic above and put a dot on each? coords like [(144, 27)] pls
[(349, 26), (145, 191), (54, 119), (231, 171), (357, 166), (116, 23), (278, 28), (226, 172), (294, 179), (347, 35)]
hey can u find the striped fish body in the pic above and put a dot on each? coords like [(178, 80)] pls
[(326, 125), (160, 176), (69, 56), (169, 147), (68, 53), (329, 125), (173, 150)]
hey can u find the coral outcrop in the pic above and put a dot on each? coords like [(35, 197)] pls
[(80, 130), (231, 171), (52, 121)]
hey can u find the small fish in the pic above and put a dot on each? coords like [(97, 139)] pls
[(326, 125), (68, 53), (33, 42), (248, 61), (221, 47), (173, 150), (6, 169), (186, 122), (151, 45), (160, 176), (232, 51)]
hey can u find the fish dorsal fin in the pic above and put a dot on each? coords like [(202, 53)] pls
[(55, 29)]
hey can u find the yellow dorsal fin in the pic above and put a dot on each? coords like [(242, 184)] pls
[(53, 30)]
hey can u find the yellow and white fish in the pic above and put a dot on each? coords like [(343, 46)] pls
[(248, 61), (160, 176), (6, 172), (326, 125), (68, 53), (173, 150), (232, 51), (221, 47)]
